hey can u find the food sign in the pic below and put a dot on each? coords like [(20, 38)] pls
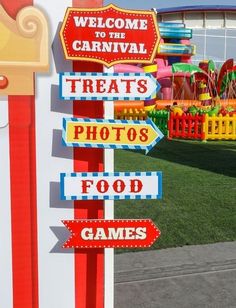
[(111, 186)]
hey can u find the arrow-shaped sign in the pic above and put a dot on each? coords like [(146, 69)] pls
[(111, 134), (111, 186), (108, 86), (111, 233)]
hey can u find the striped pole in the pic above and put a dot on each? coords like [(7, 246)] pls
[(89, 265), (23, 190)]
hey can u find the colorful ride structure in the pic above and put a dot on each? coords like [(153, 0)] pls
[(195, 101)]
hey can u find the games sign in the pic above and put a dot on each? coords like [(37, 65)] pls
[(119, 233)]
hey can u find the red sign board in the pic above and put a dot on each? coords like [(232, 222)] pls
[(111, 233), (110, 35)]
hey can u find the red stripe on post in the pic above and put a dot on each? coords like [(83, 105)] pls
[(89, 265), (34, 216), (23, 201), (23, 190)]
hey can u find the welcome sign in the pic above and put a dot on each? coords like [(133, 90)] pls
[(108, 35)]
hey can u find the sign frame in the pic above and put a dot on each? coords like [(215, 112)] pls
[(111, 7)]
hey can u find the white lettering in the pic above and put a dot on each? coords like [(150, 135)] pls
[(100, 34), (141, 233), (107, 47), (87, 234), (115, 234), (130, 233), (86, 46), (110, 23), (80, 21), (76, 45), (133, 48), (131, 23), (100, 234), (119, 23), (100, 23), (92, 22), (96, 46), (143, 24), (124, 47), (115, 47), (142, 49)]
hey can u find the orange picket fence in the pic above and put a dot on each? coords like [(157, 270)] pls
[(131, 114), (121, 105), (162, 104), (227, 102)]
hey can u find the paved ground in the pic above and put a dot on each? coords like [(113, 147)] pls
[(185, 277)]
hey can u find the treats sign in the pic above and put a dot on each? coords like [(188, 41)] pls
[(110, 35), (108, 86)]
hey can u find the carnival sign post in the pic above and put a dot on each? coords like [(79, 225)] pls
[(108, 36)]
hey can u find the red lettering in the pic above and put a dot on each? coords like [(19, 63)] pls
[(104, 133), (142, 86), (143, 134), (118, 132), (128, 84), (135, 186), (91, 133), (73, 84), (78, 129), (113, 87), (88, 86), (85, 185), (100, 86), (132, 134), (102, 186), (118, 186)]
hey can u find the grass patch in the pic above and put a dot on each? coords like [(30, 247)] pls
[(199, 191)]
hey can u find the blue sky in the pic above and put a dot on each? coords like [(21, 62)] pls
[(147, 4)]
